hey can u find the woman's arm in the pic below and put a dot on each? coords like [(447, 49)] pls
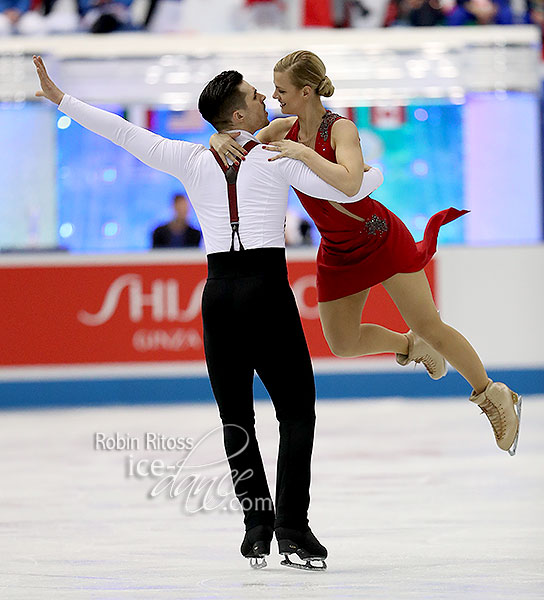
[(347, 174), (226, 146), (276, 129), (298, 175)]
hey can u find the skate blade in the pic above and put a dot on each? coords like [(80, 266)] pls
[(517, 409), (258, 562), (307, 566)]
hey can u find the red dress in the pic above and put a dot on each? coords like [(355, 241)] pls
[(355, 255)]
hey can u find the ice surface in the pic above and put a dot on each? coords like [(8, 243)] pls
[(412, 498)]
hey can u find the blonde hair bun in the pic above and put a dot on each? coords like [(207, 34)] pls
[(306, 68), (325, 88)]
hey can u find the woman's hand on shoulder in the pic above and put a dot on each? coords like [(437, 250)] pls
[(287, 149), (226, 146)]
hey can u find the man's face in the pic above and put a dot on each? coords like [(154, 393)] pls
[(254, 117)]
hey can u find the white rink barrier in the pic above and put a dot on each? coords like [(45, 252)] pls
[(492, 295)]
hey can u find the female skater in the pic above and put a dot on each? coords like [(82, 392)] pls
[(364, 244)]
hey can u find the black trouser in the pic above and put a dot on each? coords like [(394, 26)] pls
[(251, 323)]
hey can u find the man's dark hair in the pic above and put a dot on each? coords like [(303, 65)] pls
[(220, 98)]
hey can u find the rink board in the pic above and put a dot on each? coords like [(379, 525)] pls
[(360, 386), (84, 330)]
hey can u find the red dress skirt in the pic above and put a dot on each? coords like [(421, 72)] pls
[(353, 254)]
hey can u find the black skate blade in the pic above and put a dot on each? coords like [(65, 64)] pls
[(308, 566), (517, 409)]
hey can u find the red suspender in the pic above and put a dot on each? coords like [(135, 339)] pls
[(231, 175)]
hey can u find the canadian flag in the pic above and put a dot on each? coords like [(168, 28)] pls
[(388, 117)]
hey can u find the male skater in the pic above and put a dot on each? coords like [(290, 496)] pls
[(251, 322)]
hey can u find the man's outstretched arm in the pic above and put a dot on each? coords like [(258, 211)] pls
[(170, 156)]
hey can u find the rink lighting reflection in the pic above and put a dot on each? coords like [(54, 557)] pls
[(64, 122), (110, 229), (109, 175), (421, 114), (420, 167), (66, 230)]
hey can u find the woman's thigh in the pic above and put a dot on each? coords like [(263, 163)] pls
[(341, 318), (412, 295)]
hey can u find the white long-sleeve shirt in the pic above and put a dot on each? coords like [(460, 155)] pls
[(262, 185)]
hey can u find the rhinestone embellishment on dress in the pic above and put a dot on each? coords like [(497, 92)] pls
[(375, 226), (328, 119)]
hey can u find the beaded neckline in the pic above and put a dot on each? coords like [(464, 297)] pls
[(323, 131), (328, 119)]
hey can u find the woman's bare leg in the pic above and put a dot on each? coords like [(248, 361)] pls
[(412, 295), (347, 337)]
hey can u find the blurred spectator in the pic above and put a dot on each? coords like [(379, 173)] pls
[(178, 233), (416, 13), (105, 16), (535, 12), (265, 14), (163, 16), (535, 16), (298, 231), (365, 14), (423, 13), (61, 16), (344, 11), (16, 16), (481, 12)]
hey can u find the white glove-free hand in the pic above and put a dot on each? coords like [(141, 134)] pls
[(49, 89)]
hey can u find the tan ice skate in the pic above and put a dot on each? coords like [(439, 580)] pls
[(502, 407), (420, 352)]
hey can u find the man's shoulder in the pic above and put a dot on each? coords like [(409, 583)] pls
[(194, 231), (161, 236), (196, 149), (257, 165), (161, 228)]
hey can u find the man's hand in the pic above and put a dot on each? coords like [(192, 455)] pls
[(49, 89)]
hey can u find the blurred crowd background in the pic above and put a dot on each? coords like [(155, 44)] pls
[(448, 99), (437, 146), (39, 17)]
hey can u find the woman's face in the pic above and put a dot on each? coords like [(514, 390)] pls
[(291, 98)]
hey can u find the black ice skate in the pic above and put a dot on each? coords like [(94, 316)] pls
[(305, 545), (256, 545)]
